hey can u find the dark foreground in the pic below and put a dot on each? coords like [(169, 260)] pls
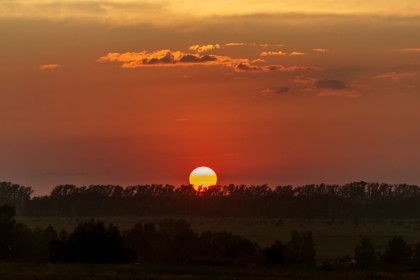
[(14, 271)]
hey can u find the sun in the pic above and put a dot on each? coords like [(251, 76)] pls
[(203, 176)]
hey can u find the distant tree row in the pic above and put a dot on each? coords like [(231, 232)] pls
[(169, 242), (357, 199)]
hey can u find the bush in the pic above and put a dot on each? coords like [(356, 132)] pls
[(364, 253)]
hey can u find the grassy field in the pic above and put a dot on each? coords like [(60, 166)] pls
[(13, 271), (333, 238)]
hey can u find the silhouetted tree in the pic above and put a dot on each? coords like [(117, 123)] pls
[(93, 242), (300, 250), (398, 252), (225, 248), (364, 253), (416, 256), (7, 231), (274, 255)]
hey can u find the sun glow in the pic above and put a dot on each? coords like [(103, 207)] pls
[(203, 176)]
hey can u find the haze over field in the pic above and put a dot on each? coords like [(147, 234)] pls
[(277, 92)]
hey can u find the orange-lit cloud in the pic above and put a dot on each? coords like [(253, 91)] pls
[(297, 53), (203, 48), (49, 66), (168, 58), (271, 92), (301, 79), (320, 50), (410, 50), (394, 76), (267, 92), (264, 45), (345, 93), (270, 53), (246, 67)]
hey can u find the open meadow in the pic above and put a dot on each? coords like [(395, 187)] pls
[(334, 238)]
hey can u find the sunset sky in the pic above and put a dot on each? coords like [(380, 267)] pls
[(264, 92)]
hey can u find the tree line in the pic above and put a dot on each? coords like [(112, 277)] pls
[(357, 199)]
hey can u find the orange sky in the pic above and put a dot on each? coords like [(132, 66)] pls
[(138, 92)]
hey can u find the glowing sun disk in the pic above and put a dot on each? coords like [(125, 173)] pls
[(203, 176)]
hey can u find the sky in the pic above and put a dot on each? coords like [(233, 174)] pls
[(264, 92)]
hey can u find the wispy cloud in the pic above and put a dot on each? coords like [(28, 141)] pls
[(48, 66), (297, 53), (345, 93), (204, 48), (410, 50), (282, 90), (263, 45), (246, 67), (272, 92), (320, 50), (394, 76), (327, 87), (301, 79), (239, 44), (271, 53)]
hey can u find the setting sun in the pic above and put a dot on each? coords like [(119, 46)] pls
[(203, 176)]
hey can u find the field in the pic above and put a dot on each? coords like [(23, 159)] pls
[(12, 271), (333, 238)]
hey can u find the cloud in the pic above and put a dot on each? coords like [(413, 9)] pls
[(320, 50), (301, 79), (270, 53), (410, 50), (330, 84), (297, 53), (239, 44), (283, 90), (49, 66), (168, 58), (345, 93), (394, 76), (263, 45), (267, 92), (246, 67), (204, 48), (271, 92), (258, 60), (326, 87)]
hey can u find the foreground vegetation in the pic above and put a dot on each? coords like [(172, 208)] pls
[(333, 238), (174, 242), (16, 271)]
